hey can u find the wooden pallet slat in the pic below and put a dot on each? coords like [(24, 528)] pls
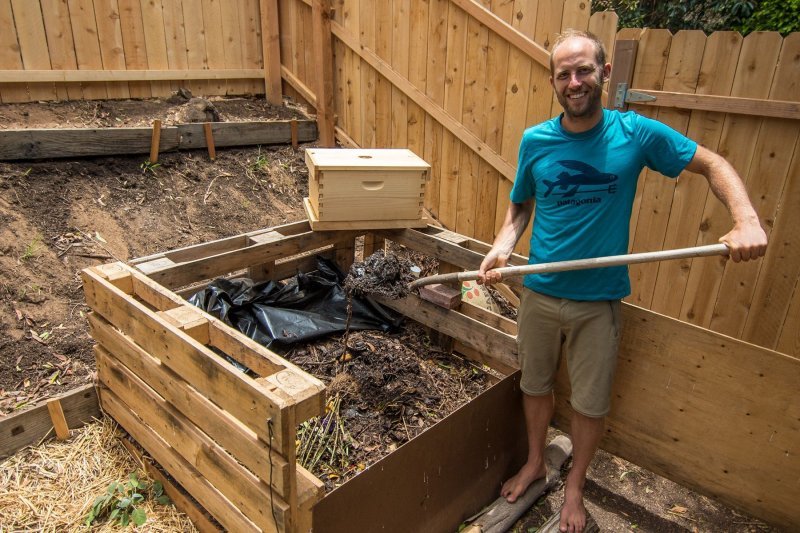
[(242, 488), (220, 507), (222, 427), (249, 402)]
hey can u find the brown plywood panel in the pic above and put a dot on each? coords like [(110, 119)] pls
[(441, 477)]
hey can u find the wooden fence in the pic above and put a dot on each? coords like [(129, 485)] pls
[(457, 81)]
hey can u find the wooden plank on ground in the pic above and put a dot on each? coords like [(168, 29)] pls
[(697, 383), (768, 176), (201, 489), (682, 72), (716, 76), (33, 45), (740, 138), (53, 143), (33, 425), (237, 484)]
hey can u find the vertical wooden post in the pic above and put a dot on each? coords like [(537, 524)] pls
[(323, 63), (621, 70), (57, 416), (155, 141), (271, 45), (209, 134)]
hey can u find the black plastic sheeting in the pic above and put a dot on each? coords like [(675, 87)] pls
[(309, 306)]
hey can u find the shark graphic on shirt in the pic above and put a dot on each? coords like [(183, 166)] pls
[(585, 175)]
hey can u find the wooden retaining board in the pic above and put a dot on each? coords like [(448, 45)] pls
[(29, 144), (33, 425)]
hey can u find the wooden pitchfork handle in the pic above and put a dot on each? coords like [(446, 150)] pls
[(580, 264)]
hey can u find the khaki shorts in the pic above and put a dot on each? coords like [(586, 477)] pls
[(589, 333)]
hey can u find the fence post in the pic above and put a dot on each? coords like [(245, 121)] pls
[(271, 45), (323, 62), (621, 71)]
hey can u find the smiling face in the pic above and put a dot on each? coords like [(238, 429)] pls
[(577, 79)]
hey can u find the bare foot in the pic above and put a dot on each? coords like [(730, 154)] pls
[(573, 514), (517, 485)]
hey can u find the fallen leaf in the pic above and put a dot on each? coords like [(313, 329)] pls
[(678, 509), (36, 337), (100, 237), (20, 316)]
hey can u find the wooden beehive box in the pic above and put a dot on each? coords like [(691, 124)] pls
[(365, 189), (229, 439)]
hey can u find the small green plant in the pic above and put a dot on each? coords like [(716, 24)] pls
[(120, 502), (32, 249), (149, 166), (261, 163)]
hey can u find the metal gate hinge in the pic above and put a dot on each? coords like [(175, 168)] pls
[(624, 96)]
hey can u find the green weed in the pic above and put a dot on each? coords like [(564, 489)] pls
[(148, 166), (119, 503), (32, 249)]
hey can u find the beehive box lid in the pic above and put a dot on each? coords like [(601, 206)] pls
[(362, 158)]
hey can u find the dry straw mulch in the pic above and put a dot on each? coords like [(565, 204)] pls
[(51, 487)]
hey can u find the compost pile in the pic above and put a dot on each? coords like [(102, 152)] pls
[(383, 390), (382, 273)]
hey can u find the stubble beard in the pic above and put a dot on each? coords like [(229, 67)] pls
[(592, 104)]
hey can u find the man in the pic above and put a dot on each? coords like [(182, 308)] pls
[(579, 170)]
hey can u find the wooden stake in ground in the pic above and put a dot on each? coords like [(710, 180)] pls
[(212, 151), (501, 515), (155, 140), (57, 416)]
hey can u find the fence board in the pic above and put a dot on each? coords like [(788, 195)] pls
[(649, 71), (435, 134), (353, 75), (716, 77), (383, 88), (366, 21), (112, 48), (604, 25), (474, 118), (494, 198), (683, 69), (61, 45), (9, 55), (175, 35), (754, 75), (87, 46), (400, 62), (156, 44), (762, 315), (232, 44), (789, 340), (132, 30), (417, 75), (215, 47), (33, 45)]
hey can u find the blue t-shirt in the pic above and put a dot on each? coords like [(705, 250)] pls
[(583, 185)]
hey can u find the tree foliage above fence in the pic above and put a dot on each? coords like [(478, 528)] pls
[(744, 16)]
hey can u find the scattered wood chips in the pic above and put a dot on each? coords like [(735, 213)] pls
[(51, 487)]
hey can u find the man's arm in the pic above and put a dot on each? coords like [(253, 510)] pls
[(747, 239), (517, 218)]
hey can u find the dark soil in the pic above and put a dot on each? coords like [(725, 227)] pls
[(383, 274), (60, 216)]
